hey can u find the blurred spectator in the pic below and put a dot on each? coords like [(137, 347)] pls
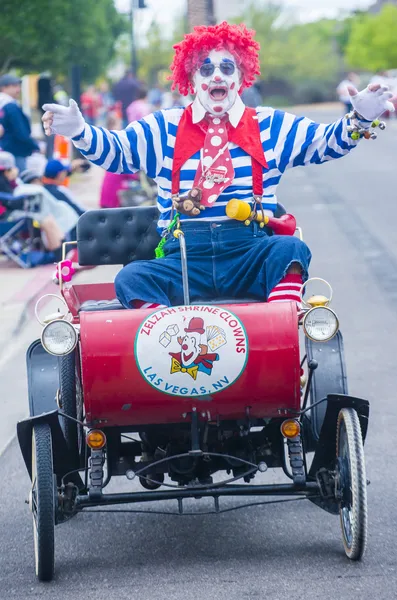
[(140, 107), (126, 91), (105, 95), (114, 118), (53, 179), (105, 101), (8, 174), (174, 100), (90, 105), (251, 97), (16, 138), (55, 219), (155, 96), (112, 184), (343, 93)]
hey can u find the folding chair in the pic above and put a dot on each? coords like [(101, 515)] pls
[(12, 242)]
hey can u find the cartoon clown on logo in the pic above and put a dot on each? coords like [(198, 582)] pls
[(193, 356)]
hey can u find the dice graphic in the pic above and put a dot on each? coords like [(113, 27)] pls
[(172, 330), (165, 339)]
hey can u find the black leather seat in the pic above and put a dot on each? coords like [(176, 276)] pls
[(117, 236), (95, 305)]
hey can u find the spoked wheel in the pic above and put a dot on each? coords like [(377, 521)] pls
[(43, 501), (351, 483)]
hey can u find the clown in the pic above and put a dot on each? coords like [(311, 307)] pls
[(209, 153), (193, 356)]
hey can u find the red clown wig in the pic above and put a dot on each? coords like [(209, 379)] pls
[(195, 47)]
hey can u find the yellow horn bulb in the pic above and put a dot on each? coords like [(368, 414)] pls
[(317, 301), (237, 209)]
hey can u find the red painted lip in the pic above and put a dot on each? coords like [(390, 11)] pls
[(187, 357), (218, 92)]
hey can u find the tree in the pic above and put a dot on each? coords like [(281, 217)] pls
[(156, 54), (372, 42), (54, 34), (304, 56)]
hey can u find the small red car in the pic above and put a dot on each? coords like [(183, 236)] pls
[(192, 401)]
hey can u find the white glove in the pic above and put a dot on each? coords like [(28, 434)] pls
[(372, 102), (64, 120)]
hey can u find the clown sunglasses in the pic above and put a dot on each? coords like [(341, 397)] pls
[(207, 69)]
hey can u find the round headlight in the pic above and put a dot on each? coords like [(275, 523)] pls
[(320, 324), (59, 338)]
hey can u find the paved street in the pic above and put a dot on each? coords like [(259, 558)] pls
[(348, 212)]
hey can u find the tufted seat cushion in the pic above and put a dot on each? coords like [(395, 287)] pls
[(97, 305), (117, 236), (94, 305)]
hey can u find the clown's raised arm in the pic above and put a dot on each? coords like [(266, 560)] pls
[(214, 146)]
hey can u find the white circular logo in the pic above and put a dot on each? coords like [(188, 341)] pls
[(191, 350)]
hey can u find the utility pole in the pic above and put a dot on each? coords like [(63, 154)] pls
[(134, 59), (200, 12)]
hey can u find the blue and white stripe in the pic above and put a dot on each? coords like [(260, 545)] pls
[(148, 144)]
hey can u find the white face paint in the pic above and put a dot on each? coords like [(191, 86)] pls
[(190, 346), (217, 91)]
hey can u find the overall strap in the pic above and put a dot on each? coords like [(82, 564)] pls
[(257, 178)]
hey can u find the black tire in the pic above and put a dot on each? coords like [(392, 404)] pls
[(67, 386), (43, 502), (351, 484)]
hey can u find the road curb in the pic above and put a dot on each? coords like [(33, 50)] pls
[(29, 305), (5, 447)]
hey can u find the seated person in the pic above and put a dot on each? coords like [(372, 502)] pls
[(112, 184), (8, 175), (17, 203), (54, 177), (60, 212), (208, 153), (57, 220)]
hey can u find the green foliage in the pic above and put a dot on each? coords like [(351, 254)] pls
[(54, 34), (372, 43), (156, 55), (306, 56), (304, 51)]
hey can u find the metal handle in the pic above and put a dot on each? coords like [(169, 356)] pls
[(178, 233)]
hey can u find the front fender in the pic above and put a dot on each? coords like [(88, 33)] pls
[(43, 383), (325, 452), (43, 379), (62, 464)]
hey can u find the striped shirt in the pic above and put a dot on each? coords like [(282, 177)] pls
[(148, 145)]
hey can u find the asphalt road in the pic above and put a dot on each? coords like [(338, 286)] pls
[(348, 212)]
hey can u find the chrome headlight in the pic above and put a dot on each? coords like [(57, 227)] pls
[(320, 324), (59, 338)]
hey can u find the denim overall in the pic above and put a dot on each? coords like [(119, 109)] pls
[(225, 260)]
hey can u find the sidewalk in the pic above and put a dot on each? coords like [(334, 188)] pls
[(21, 288)]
